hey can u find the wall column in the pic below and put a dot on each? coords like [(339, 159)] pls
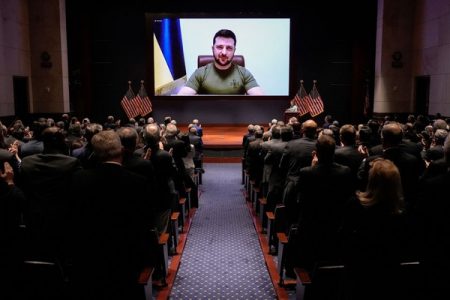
[(394, 57), (49, 68)]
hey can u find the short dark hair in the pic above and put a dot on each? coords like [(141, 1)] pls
[(128, 137), (348, 134), (226, 33), (325, 147)]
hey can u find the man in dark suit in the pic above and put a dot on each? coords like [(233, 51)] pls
[(35, 144), (277, 175), (255, 160), (137, 164), (198, 126), (296, 155), (196, 140), (112, 210), (178, 150), (348, 155), (84, 154), (434, 210), (165, 172), (45, 179), (324, 188), (436, 150)]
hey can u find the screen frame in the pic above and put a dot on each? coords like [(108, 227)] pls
[(292, 70)]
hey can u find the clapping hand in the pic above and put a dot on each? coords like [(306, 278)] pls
[(8, 174)]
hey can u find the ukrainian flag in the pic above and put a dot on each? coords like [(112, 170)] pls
[(170, 68)]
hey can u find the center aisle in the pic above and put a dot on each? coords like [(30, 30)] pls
[(222, 257)]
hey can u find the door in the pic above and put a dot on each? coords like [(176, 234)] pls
[(20, 85), (422, 93)]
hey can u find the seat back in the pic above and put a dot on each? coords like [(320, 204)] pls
[(203, 60), (280, 223)]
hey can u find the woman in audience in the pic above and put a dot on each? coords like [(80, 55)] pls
[(373, 233)]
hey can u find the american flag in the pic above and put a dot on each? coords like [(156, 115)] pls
[(315, 102), (300, 99), (145, 105), (129, 103)]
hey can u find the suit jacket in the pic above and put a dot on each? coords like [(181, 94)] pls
[(349, 156), (323, 192), (31, 147), (435, 168), (297, 154), (165, 172), (277, 175), (84, 154), (254, 160), (45, 179), (434, 153), (139, 166), (111, 216), (179, 151), (198, 144), (434, 210), (267, 169)]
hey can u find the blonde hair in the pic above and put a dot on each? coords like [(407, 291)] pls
[(384, 187), (106, 145)]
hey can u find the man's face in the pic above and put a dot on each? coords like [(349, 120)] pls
[(223, 50)]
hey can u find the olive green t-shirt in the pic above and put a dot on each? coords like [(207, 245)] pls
[(210, 80)]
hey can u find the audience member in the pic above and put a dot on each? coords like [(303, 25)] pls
[(374, 235), (435, 222), (45, 179), (324, 188), (112, 212)]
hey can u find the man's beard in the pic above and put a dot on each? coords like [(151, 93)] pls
[(220, 63)]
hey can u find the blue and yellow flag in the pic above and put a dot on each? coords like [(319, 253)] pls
[(170, 68)]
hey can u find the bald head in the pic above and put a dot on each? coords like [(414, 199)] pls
[(309, 128), (171, 130), (152, 135), (392, 135)]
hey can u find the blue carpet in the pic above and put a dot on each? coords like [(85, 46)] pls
[(222, 258)]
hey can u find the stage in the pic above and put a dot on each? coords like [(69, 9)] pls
[(222, 143)]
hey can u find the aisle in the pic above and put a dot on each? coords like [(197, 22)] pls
[(222, 258)]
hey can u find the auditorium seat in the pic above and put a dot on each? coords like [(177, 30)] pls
[(44, 278), (328, 281), (325, 282), (145, 279)]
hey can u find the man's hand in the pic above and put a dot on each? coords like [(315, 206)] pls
[(8, 174), (315, 159), (148, 154), (363, 150)]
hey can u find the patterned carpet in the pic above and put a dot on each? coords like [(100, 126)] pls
[(222, 258)]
